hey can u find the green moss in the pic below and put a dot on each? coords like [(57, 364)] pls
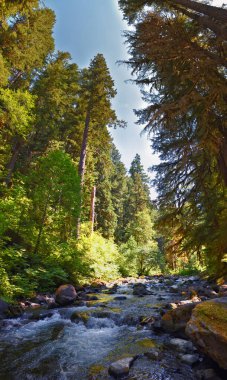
[(82, 316), (96, 369), (146, 343), (214, 314), (116, 309)]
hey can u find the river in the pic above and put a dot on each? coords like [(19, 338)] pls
[(76, 343)]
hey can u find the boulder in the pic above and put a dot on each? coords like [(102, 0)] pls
[(10, 311), (140, 289), (207, 328), (121, 367), (4, 308), (65, 295), (176, 319)]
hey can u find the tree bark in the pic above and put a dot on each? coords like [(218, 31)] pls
[(36, 249), (216, 13), (205, 21), (92, 212), (82, 166), (11, 165), (83, 153)]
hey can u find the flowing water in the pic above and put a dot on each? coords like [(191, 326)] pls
[(68, 346)]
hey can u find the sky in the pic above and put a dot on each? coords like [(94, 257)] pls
[(87, 27)]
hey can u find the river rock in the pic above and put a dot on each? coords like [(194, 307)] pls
[(113, 289), (176, 319), (121, 367), (174, 289), (223, 290), (120, 298), (153, 354), (65, 295), (181, 345), (10, 311), (189, 358), (208, 329), (140, 289)]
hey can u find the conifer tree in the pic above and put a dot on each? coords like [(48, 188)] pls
[(185, 116)]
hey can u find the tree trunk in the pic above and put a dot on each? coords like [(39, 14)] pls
[(82, 166), (83, 153), (206, 22), (36, 249), (92, 212), (11, 165), (216, 13)]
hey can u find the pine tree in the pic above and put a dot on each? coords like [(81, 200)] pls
[(97, 90), (185, 117)]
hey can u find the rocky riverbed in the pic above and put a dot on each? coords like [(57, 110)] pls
[(154, 328)]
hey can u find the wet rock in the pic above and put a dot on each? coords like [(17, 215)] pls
[(4, 309), (223, 290), (10, 311), (189, 358), (176, 319), (80, 317), (98, 285), (65, 295), (52, 305), (207, 374), (169, 282), (92, 298), (157, 326), (181, 345), (103, 314), (120, 298), (153, 354), (174, 289), (130, 320), (38, 315), (144, 321), (140, 289), (32, 305), (208, 329), (113, 290), (121, 367), (160, 298)]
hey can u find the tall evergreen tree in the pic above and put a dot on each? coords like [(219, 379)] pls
[(185, 116)]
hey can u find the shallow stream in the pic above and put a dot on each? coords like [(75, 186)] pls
[(77, 343)]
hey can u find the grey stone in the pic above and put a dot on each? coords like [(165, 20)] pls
[(121, 367), (189, 358), (181, 345)]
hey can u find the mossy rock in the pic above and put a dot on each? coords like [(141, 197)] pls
[(208, 329), (146, 343), (176, 319), (80, 317), (96, 369)]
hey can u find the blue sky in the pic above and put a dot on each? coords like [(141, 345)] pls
[(87, 27)]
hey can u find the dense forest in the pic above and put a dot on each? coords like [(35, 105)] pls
[(69, 210)]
